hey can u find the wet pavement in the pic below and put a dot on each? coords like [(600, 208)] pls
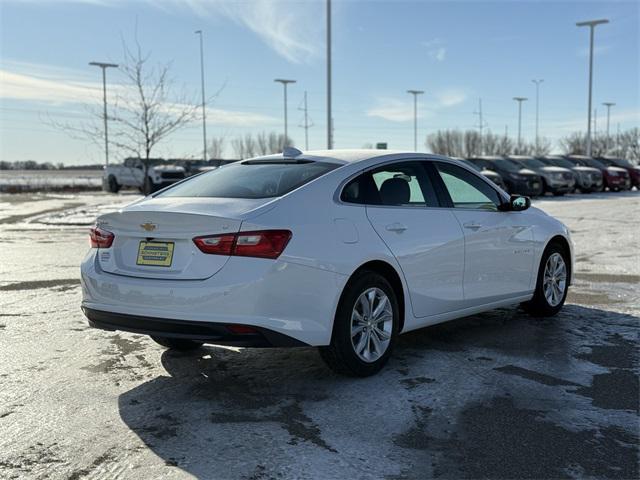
[(497, 395)]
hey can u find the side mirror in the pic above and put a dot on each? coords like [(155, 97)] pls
[(516, 203)]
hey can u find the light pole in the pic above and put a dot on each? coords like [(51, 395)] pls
[(592, 25), (608, 105), (520, 100), (415, 94), (204, 111), (284, 84), (537, 82), (329, 115), (104, 67)]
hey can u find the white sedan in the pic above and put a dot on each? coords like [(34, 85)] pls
[(340, 249)]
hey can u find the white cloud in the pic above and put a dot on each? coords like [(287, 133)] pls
[(436, 49), (293, 29), (17, 86), (54, 86), (450, 97), (401, 110), (290, 28), (392, 109)]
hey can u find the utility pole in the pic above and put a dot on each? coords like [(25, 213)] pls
[(415, 94), (104, 67), (480, 124), (306, 125), (520, 100), (284, 84), (204, 111), (592, 25), (329, 115), (608, 105), (538, 82)]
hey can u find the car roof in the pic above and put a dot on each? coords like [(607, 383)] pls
[(347, 156), (520, 157), (487, 157)]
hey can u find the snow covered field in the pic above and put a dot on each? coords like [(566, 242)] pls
[(49, 180), (498, 395)]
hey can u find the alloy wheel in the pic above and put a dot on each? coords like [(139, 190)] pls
[(555, 279), (371, 324)]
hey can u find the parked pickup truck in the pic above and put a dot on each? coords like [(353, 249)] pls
[(131, 174)]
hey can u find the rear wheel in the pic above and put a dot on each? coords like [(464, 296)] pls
[(179, 344), (113, 185), (553, 282), (365, 327)]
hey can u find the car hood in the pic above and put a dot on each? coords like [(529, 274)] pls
[(553, 169), (526, 171), (490, 173), (617, 169), (580, 168)]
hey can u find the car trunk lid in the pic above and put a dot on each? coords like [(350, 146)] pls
[(154, 238)]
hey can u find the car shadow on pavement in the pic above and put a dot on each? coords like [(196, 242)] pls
[(277, 413)]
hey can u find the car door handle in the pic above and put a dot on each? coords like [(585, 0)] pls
[(396, 227), (472, 225)]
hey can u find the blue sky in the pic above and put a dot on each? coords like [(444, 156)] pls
[(457, 51)]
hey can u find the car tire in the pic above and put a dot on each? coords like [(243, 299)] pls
[(179, 344), (366, 351), (112, 184), (552, 284)]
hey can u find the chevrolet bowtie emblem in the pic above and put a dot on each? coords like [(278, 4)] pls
[(149, 227)]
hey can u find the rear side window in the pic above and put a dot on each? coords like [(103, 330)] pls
[(396, 184), (466, 190), (253, 179)]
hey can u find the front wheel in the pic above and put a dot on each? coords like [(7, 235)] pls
[(365, 327), (553, 283), (179, 344)]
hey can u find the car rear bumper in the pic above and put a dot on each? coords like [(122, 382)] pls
[(277, 296), (206, 332)]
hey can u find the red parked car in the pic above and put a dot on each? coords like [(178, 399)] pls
[(615, 178), (633, 170)]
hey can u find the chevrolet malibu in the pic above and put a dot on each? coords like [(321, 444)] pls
[(343, 250)]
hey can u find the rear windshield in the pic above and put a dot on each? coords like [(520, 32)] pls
[(508, 165), (533, 163), (562, 162), (253, 179)]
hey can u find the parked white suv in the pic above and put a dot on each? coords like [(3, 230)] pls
[(131, 174)]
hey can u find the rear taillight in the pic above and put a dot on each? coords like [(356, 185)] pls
[(100, 238), (261, 244)]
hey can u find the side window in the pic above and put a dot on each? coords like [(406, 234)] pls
[(466, 189), (397, 184)]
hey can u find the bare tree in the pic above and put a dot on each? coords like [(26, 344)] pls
[(576, 144), (216, 147), (472, 143), (146, 113), (146, 110), (446, 142), (263, 144)]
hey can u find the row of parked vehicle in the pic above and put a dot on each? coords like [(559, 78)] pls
[(555, 174)]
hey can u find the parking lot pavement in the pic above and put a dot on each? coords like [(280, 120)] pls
[(497, 395)]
